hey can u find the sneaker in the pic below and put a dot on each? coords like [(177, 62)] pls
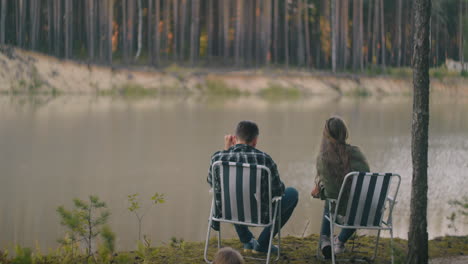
[(249, 246), (325, 246), (259, 249), (339, 246)]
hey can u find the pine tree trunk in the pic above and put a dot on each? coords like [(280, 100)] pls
[(357, 34), (140, 29), (125, 31), (3, 21), (150, 32), (58, 27), (194, 32), (300, 35), (307, 35), (370, 38), (334, 32), (276, 19), (238, 31), (417, 236), (382, 32), (175, 9), (110, 27), (226, 30), (167, 21), (50, 24), (461, 40), (376, 32), (210, 30), (182, 53), (399, 32), (344, 29), (68, 28), (157, 39)]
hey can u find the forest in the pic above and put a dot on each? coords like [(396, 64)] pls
[(335, 35)]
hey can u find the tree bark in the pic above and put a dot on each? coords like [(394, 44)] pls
[(307, 35), (140, 29), (175, 9), (157, 39), (417, 236), (383, 45), (399, 32), (182, 52), (357, 34), (238, 31), (68, 28), (150, 32), (3, 21), (194, 40), (300, 35), (334, 33), (275, 31), (210, 29), (226, 29)]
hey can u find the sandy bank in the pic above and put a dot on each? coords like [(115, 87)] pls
[(24, 71)]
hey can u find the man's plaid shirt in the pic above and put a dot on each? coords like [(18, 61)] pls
[(246, 154)]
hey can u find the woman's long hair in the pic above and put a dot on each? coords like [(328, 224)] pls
[(333, 150)]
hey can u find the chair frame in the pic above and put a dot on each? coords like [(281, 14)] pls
[(383, 225), (273, 202)]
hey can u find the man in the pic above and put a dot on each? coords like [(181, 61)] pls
[(241, 148)]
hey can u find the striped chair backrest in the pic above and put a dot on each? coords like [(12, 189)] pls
[(365, 205), (241, 192)]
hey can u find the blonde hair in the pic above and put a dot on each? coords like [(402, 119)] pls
[(228, 255)]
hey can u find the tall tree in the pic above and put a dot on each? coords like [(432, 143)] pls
[(300, 34), (150, 31), (334, 31), (238, 31), (3, 21), (210, 29), (357, 34), (399, 31), (175, 9), (157, 39), (383, 45), (68, 28), (140, 29), (194, 39), (307, 34), (417, 236), (460, 30), (57, 26)]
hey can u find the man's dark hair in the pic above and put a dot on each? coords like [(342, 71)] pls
[(247, 131)]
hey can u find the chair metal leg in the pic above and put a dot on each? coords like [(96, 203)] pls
[(205, 254), (271, 236), (391, 242), (279, 230), (376, 245), (332, 241), (219, 236)]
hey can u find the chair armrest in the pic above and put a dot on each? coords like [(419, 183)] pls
[(277, 198), (391, 200)]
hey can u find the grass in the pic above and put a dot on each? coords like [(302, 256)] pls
[(219, 88), (277, 91), (129, 90), (294, 251), (359, 92)]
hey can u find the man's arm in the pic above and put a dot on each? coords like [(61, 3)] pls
[(277, 186)]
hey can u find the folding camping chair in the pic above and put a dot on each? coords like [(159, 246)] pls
[(367, 203), (241, 204)]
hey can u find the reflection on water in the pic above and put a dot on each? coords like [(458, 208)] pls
[(53, 150)]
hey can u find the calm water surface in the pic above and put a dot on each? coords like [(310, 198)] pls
[(54, 150)]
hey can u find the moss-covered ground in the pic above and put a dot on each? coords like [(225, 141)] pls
[(293, 250)]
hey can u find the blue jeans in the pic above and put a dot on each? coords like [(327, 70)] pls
[(288, 203), (345, 233)]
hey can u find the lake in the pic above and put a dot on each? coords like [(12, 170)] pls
[(55, 149)]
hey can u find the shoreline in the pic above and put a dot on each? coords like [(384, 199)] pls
[(26, 72)]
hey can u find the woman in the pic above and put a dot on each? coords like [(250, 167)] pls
[(335, 160)]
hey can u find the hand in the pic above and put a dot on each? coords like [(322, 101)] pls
[(316, 191), (229, 141)]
